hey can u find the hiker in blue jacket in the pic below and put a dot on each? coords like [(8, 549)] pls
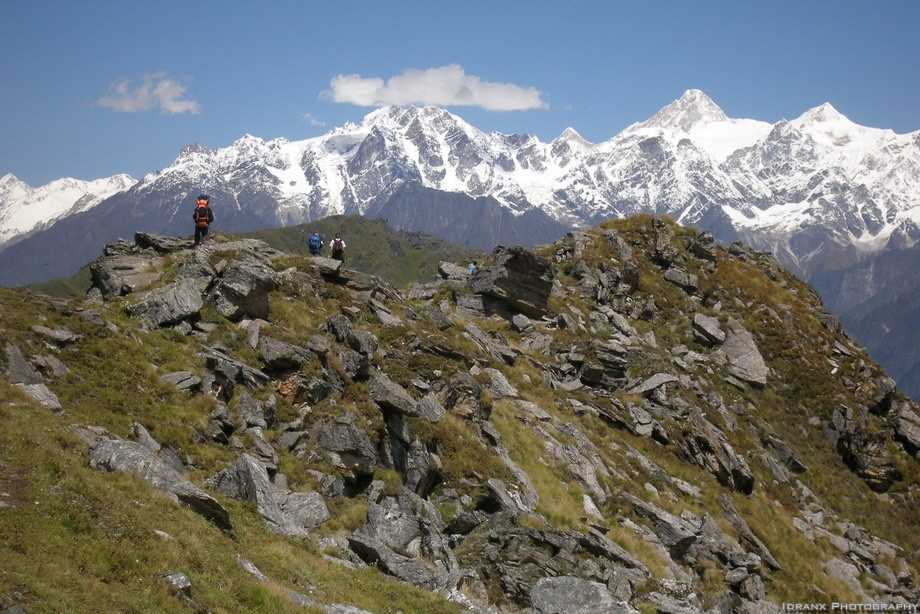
[(315, 244)]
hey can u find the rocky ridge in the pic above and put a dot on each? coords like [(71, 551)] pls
[(631, 419)]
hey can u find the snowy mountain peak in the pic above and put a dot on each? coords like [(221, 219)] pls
[(825, 113), (9, 180), (692, 108), (572, 136), (24, 209)]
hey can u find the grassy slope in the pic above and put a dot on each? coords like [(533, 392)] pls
[(88, 542), (83, 540)]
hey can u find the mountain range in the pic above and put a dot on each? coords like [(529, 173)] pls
[(819, 191)]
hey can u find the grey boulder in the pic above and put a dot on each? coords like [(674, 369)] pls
[(168, 305), (572, 595), (280, 356), (18, 369), (390, 396), (284, 511), (744, 359), (112, 454), (41, 394), (707, 329)]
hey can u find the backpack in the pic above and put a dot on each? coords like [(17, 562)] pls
[(201, 216), (338, 247), (315, 242)]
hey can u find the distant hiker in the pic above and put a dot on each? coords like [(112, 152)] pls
[(315, 244), (338, 248), (472, 268), (203, 217)]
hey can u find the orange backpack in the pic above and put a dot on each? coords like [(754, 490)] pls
[(201, 214)]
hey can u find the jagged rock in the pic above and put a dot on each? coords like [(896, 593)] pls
[(745, 535), (499, 350), (390, 396), (500, 386), (167, 455), (516, 558), (863, 451), (41, 394), (120, 274), (706, 446), (250, 412), (326, 266), (290, 513), (319, 344), (571, 595), (681, 278), (744, 359), (522, 323), (707, 329), (228, 370), (162, 244), (519, 278), (362, 342), (846, 572), (242, 289), (183, 380), (907, 426), (59, 336), (50, 366), (18, 369), (784, 454), (348, 446), (462, 396), (356, 366), (703, 247), (653, 383), (168, 305), (339, 326), (663, 252), (430, 408), (112, 454), (280, 356), (453, 272), (403, 537), (676, 534), (420, 468), (178, 584), (608, 368)]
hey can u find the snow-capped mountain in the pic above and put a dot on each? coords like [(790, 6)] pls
[(24, 209), (816, 190)]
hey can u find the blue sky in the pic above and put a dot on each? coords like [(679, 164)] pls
[(259, 67)]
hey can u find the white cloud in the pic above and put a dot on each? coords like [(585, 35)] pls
[(441, 86), (155, 90), (308, 117)]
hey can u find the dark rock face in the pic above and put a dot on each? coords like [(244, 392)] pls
[(403, 537), (706, 446), (281, 356), (112, 454), (518, 278), (515, 559), (178, 301), (907, 426), (862, 451), (676, 534), (348, 446)]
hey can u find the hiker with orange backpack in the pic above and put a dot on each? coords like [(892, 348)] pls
[(203, 217)]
